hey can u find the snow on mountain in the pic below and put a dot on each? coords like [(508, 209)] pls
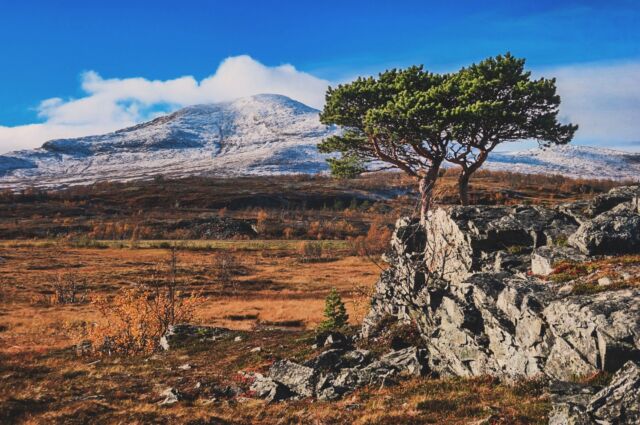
[(572, 161), (258, 135), (263, 134)]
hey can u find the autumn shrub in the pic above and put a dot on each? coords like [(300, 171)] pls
[(68, 289), (310, 250), (134, 319), (262, 220), (375, 242)]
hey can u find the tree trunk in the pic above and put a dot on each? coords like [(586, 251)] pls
[(463, 187), (426, 186), (425, 198), (465, 175)]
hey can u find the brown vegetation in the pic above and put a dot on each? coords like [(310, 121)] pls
[(109, 243)]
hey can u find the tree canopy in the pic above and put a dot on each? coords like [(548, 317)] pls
[(498, 102), (416, 120), (399, 118)]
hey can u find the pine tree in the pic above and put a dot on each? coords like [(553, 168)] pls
[(335, 312)]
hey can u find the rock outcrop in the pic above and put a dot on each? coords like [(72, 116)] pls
[(469, 279)]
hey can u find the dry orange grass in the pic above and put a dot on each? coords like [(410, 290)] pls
[(275, 288)]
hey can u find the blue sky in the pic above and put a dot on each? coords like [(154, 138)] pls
[(55, 53)]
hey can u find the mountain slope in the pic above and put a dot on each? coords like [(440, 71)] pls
[(572, 161), (263, 134), (258, 135)]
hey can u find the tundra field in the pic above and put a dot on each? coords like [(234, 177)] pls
[(261, 255)]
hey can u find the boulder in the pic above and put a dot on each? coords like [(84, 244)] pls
[(607, 201), (613, 232), (464, 240), (593, 333), (583, 211), (269, 389), (298, 378), (569, 403), (506, 324), (545, 258), (336, 372), (332, 339)]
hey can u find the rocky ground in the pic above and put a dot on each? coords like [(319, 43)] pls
[(510, 292), (485, 315)]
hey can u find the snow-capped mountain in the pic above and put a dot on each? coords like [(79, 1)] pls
[(263, 134), (258, 135)]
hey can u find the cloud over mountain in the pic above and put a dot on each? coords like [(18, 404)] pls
[(604, 99), (111, 104)]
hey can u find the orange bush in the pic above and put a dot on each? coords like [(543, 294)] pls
[(375, 242), (136, 319)]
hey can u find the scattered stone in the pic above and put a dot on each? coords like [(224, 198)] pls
[(256, 349), (569, 401), (178, 335), (565, 289), (332, 339), (605, 281), (616, 404), (619, 402), (171, 396), (238, 338), (185, 366), (269, 389), (608, 201)]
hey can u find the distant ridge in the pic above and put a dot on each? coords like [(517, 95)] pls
[(265, 134)]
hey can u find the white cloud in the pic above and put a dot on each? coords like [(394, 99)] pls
[(111, 104), (603, 99)]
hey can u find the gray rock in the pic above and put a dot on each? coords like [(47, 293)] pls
[(618, 402), (608, 201), (269, 389), (544, 259), (298, 378), (605, 281), (613, 232), (569, 403), (332, 339), (461, 240), (504, 323), (411, 360), (177, 335), (171, 396), (337, 372)]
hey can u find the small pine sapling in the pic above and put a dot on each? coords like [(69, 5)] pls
[(335, 313)]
